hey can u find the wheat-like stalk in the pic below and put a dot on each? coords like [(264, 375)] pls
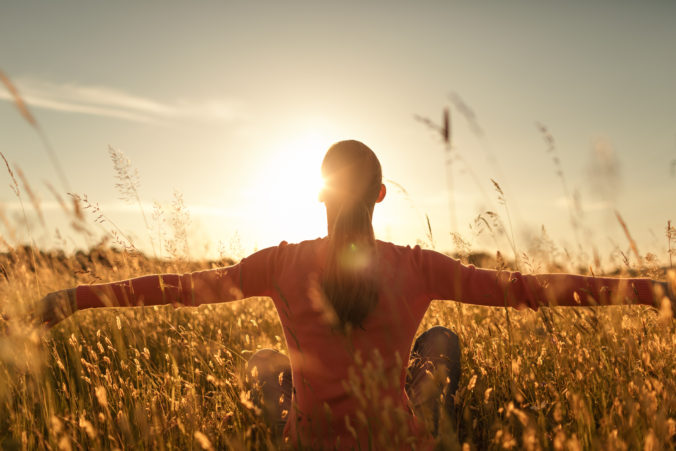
[(179, 220), (128, 184), (512, 242), (632, 243), (100, 218), (35, 201), (570, 201), (15, 188), (22, 106)]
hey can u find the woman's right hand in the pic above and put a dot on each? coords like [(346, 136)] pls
[(55, 307), (665, 290)]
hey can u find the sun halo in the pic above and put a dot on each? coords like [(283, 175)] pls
[(288, 186)]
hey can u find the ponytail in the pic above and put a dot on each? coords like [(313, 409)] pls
[(349, 277), (350, 281)]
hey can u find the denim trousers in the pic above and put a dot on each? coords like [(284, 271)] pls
[(432, 378)]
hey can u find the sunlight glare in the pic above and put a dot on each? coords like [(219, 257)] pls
[(288, 187)]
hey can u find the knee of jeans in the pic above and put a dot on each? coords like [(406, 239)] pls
[(441, 337), (436, 330), (266, 361), (266, 353), (441, 331)]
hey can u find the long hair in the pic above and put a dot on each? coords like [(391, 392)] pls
[(353, 178)]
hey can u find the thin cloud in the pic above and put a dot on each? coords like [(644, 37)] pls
[(120, 207), (110, 102)]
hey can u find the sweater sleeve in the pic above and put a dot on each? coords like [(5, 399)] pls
[(448, 278), (250, 277)]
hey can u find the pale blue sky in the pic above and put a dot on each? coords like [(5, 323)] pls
[(216, 99)]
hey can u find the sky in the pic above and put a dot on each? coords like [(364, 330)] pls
[(231, 105)]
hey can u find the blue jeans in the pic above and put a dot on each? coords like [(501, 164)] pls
[(432, 378)]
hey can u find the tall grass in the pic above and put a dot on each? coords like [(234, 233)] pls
[(164, 377)]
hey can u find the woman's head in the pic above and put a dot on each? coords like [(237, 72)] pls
[(352, 174), (353, 184)]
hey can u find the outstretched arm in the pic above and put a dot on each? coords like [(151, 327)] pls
[(448, 278), (190, 289), (251, 277)]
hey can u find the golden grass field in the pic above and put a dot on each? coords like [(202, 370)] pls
[(168, 378)]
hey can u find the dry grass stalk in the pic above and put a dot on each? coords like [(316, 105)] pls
[(18, 100), (570, 199), (512, 242), (632, 243), (671, 237), (22, 106), (128, 184), (35, 201)]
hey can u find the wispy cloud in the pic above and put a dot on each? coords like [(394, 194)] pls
[(110, 102), (119, 207)]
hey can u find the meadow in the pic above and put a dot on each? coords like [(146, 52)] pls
[(171, 378)]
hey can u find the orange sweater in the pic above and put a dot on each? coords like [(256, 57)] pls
[(341, 384)]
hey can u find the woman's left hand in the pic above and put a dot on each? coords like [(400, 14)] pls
[(55, 307)]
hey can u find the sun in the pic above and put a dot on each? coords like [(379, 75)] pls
[(288, 184)]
